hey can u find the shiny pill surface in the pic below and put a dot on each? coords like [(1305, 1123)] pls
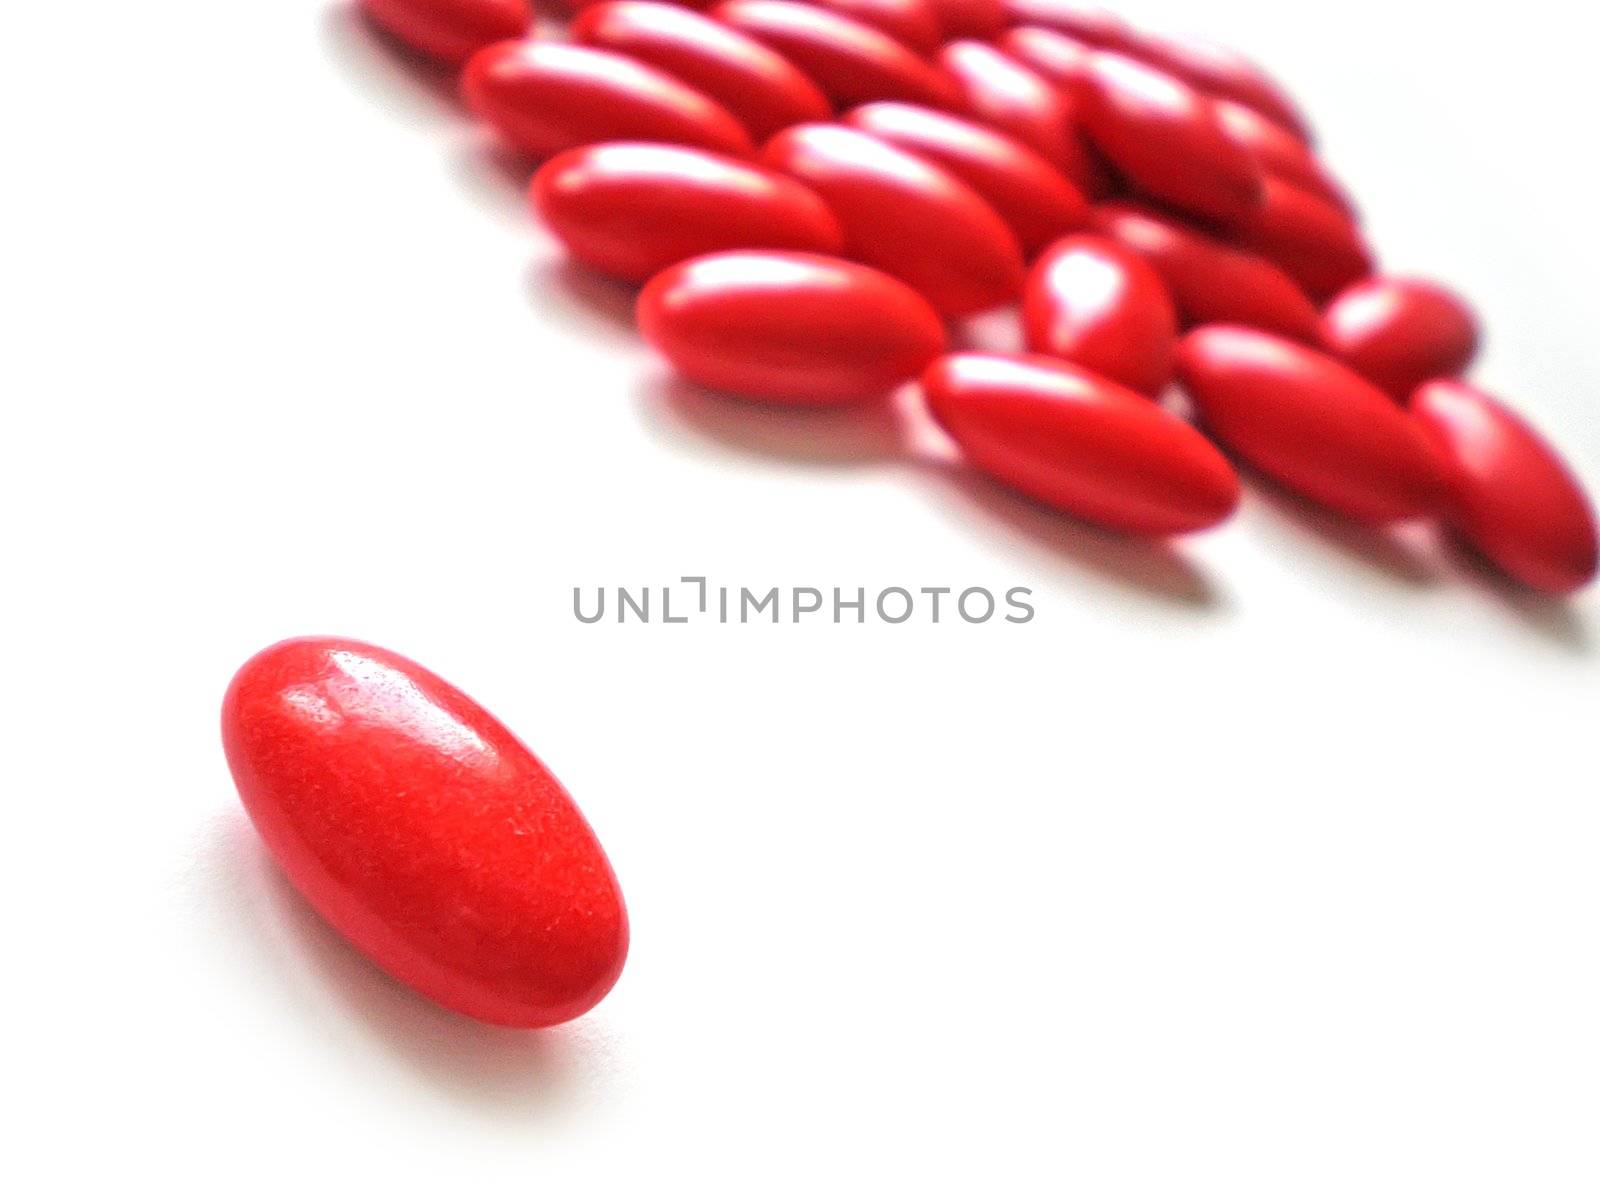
[(912, 23), (450, 30), (1311, 239), (1400, 333), (424, 832)]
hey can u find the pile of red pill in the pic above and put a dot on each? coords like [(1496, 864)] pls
[(809, 190)]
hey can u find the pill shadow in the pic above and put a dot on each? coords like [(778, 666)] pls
[(592, 298), (1552, 617), (514, 1074), (401, 80), (1385, 552)]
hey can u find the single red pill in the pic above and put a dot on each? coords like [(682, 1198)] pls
[(1080, 443), (792, 328), (1166, 139), (1280, 152), (1100, 306), (1063, 60), (904, 215), (998, 91), (970, 18), (1210, 282), (1224, 73), (851, 62), (1509, 494), (1037, 201), (912, 23), (1087, 22), (1310, 423), (1400, 333), (632, 209), (545, 97), (424, 832), (450, 30), (760, 87), (1311, 239)]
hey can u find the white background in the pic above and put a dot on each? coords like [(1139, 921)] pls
[(1264, 867)]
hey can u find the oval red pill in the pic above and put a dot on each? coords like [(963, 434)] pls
[(1280, 152), (1509, 494), (1080, 443), (1000, 92), (851, 62), (912, 23), (1166, 139), (1100, 306), (1211, 282), (424, 832), (1310, 423), (1224, 73), (545, 97), (1400, 333), (1087, 22), (1063, 60), (970, 18), (1037, 201), (794, 328), (903, 215), (1309, 238), (450, 30), (632, 209), (760, 87)]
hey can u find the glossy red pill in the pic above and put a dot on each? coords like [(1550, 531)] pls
[(450, 30), (632, 209), (998, 91), (546, 97), (970, 18), (1080, 443), (424, 832), (1211, 282), (1309, 238), (1400, 333), (1280, 152), (1087, 22), (761, 88), (852, 63), (792, 328), (903, 215), (1063, 60), (912, 23), (1100, 306), (1166, 139), (1310, 423), (1509, 493), (1224, 73), (1037, 201)]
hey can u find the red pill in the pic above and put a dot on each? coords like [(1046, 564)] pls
[(903, 215), (851, 62), (1310, 423), (1211, 283), (793, 328), (760, 87), (912, 23), (1100, 306), (970, 18), (450, 30), (1509, 494), (1032, 197), (1221, 72), (424, 832), (1316, 244), (1400, 333), (1166, 139), (1064, 61), (1080, 443), (1001, 92), (544, 97), (1280, 152), (1086, 22), (632, 209)]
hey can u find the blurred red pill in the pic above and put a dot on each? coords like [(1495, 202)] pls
[(970, 18), (1087, 22), (912, 23), (1100, 306), (999, 91), (1221, 72), (851, 62), (1166, 139), (791, 328), (1032, 197), (545, 97), (1509, 494), (760, 87), (1280, 152), (1080, 443), (424, 832), (450, 30), (1063, 60), (903, 215), (1210, 282), (1313, 241), (631, 209), (1400, 333), (1310, 423)]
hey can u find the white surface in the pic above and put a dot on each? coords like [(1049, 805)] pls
[(1260, 869)]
